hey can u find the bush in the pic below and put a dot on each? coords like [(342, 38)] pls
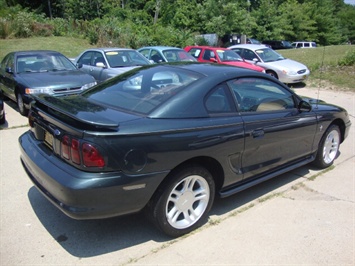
[(348, 59)]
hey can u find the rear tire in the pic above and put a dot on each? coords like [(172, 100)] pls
[(182, 204), (3, 119), (328, 147)]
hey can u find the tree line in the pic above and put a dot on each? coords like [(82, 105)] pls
[(135, 23)]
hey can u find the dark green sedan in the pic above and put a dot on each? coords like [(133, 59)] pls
[(168, 138), (25, 73)]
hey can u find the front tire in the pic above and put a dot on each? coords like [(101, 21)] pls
[(182, 205), (272, 74), (328, 147), (20, 104)]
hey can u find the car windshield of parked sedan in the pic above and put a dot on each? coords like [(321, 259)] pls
[(178, 55), (43, 63), (142, 90), (228, 56), (269, 55), (125, 58)]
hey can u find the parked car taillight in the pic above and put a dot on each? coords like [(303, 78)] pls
[(66, 147), (70, 150), (92, 157), (74, 151)]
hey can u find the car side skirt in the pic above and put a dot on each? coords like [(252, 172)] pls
[(245, 185)]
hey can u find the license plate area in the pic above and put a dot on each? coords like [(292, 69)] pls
[(48, 139)]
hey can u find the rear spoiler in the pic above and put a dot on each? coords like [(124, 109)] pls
[(85, 120)]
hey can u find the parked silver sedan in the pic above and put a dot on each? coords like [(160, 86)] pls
[(286, 70), (105, 63)]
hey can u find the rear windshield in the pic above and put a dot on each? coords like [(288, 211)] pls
[(142, 90)]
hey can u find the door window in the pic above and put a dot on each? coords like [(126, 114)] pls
[(85, 59), (249, 55), (261, 95)]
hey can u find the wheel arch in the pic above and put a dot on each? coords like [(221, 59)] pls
[(272, 73), (209, 163), (340, 123)]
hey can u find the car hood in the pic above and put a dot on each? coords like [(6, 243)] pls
[(286, 63), (244, 65), (71, 78), (320, 105), (80, 110)]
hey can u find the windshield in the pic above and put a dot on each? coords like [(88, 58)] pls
[(43, 62), (269, 55), (228, 56), (143, 89), (178, 55), (125, 58)]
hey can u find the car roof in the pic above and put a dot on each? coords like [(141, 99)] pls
[(29, 52), (208, 47), (161, 48), (108, 49), (209, 69), (249, 46)]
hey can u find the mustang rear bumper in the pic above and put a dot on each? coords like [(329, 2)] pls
[(85, 195)]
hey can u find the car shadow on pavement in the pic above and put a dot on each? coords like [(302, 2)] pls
[(88, 238)]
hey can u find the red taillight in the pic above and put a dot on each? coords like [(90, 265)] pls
[(92, 157), (71, 151), (74, 151)]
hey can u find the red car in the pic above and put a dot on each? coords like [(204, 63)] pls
[(221, 56)]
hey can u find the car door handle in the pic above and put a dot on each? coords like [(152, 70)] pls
[(258, 133)]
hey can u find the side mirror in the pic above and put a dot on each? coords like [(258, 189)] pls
[(304, 106), (255, 60), (100, 64), (214, 60), (9, 70), (80, 65)]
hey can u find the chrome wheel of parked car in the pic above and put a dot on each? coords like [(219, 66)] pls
[(329, 147), (185, 202), (21, 105)]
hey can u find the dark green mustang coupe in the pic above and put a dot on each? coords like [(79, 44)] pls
[(168, 138)]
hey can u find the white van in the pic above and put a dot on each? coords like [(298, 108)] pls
[(304, 45)]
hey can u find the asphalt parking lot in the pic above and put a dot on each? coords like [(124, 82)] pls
[(303, 217)]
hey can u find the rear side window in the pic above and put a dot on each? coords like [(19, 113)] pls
[(218, 101)]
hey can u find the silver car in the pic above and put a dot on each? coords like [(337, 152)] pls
[(105, 63), (286, 70)]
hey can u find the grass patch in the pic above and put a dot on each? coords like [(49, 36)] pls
[(69, 46), (313, 177), (323, 63)]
